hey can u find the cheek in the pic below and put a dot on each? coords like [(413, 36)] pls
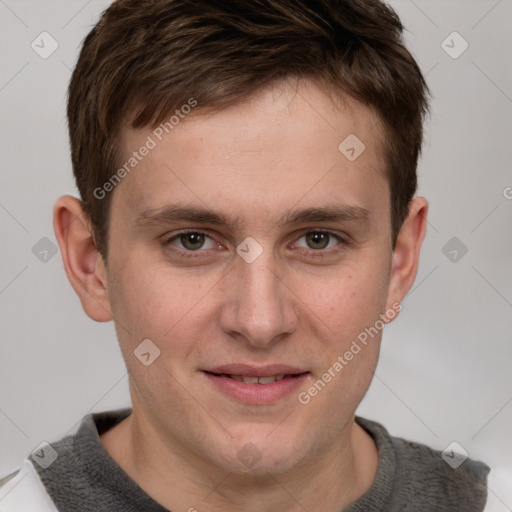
[(158, 302), (346, 301), (352, 308)]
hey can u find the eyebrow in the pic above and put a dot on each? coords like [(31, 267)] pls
[(177, 212)]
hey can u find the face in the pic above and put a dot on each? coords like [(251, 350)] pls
[(287, 265)]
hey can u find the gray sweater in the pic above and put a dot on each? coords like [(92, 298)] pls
[(411, 477)]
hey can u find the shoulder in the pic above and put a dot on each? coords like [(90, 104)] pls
[(23, 491), (424, 477), (54, 472), (432, 473)]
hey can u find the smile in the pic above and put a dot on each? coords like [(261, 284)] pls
[(257, 380), (257, 389)]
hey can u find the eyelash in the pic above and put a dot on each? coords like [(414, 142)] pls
[(317, 253)]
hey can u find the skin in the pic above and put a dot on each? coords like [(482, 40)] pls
[(275, 153)]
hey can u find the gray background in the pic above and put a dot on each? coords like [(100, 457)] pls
[(445, 369)]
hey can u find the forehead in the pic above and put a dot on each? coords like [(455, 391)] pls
[(283, 146)]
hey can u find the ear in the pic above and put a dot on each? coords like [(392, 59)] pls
[(406, 253), (83, 263)]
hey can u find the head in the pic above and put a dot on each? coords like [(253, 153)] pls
[(296, 124)]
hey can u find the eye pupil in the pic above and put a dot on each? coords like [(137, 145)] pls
[(196, 239), (317, 238), (193, 241)]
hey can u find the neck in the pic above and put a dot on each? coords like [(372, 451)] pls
[(180, 480)]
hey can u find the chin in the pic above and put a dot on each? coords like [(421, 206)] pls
[(257, 457), (260, 470)]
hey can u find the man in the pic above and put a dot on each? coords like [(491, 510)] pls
[(247, 173)]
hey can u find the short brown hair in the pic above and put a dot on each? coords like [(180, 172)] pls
[(146, 58)]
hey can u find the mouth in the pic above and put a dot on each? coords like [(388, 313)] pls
[(254, 379), (251, 385)]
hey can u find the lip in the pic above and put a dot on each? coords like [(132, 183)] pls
[(257, 394), (256, 371)]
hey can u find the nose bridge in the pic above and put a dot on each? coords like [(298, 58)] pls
[(260, 282), (262, 308)]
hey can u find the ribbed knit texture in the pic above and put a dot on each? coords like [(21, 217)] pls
[(411, 477)]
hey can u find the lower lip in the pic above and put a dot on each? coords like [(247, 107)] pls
[(257, 393)]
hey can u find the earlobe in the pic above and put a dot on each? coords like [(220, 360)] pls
[(83, 264), (407, 251)]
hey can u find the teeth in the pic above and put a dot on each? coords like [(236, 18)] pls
[(257, 380), (250, 380), (268, 380)]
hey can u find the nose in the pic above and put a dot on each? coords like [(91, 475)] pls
[(260, 307)]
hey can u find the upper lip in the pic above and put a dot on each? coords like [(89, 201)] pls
[(256, 371)]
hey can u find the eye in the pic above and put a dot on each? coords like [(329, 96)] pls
[(191, 241), (316, 242), (319, 240)]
